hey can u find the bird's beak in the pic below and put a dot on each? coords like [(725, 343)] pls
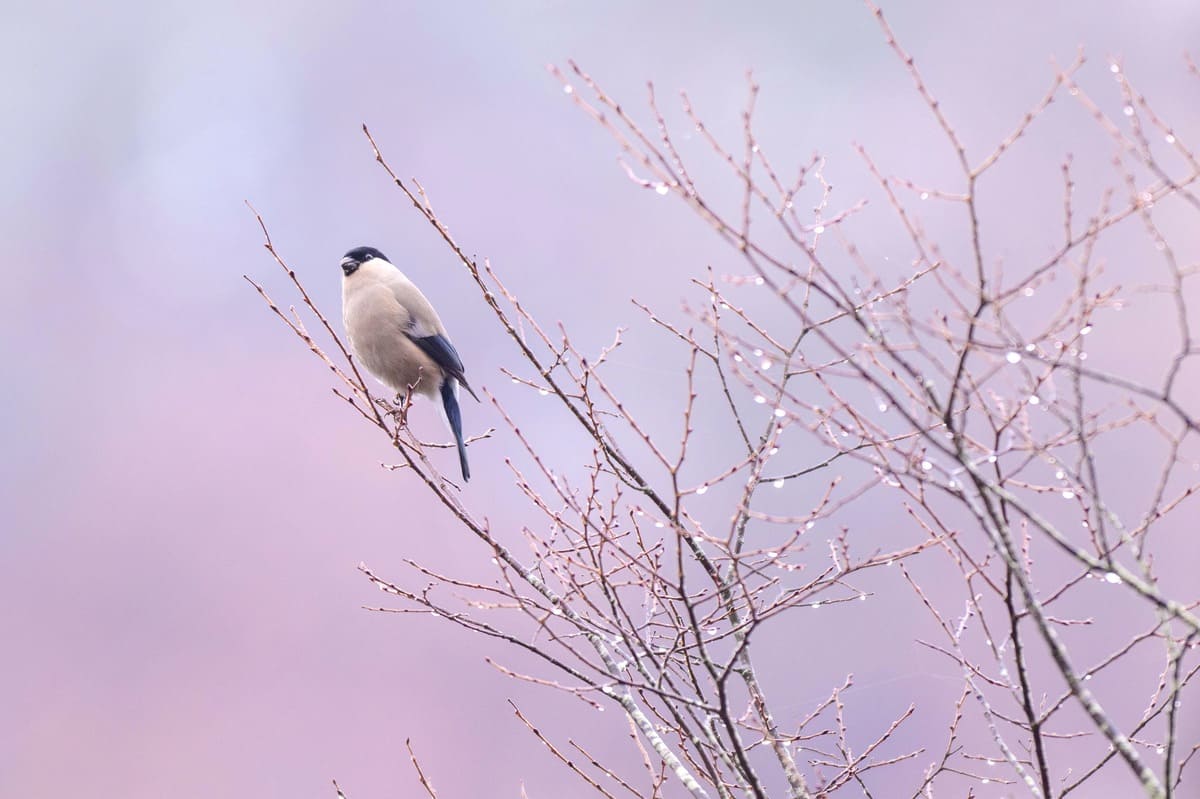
[(349, 265)]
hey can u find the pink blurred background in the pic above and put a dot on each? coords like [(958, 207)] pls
[(183, 500)]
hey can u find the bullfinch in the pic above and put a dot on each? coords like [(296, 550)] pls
[(399, 338)]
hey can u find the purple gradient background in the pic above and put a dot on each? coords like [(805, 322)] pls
[(182, 500)]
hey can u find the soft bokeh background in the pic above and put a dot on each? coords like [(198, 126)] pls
[(183, 502)]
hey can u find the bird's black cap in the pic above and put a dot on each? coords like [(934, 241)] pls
[(363, 254)]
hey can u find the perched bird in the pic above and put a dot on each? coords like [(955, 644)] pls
[(398, 336)]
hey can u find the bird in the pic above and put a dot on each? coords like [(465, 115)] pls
[(398, 337)]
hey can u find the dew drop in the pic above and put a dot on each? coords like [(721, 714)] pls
[(1060, 474), (702, 490), (1028, 292), (1013, 357), (568, 89), (1068, 494), (1170, 138), (809, 525), (1112, 577), (816, 605), (766, 364), (883, 406), (1083, 331), (662, 188), (780, 413), (1030, 347), (924, 195), (760, 399), (1114, 69), (862, 597), (778, 483), (1035, 400), (1127, 110), (659, 524), (758, 281), (543, 391), (926, 466), (758, 353), (819, 229)]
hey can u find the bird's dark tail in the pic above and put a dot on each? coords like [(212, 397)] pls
[(454, 418)]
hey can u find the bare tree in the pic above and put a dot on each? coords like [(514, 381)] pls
[(940, 395)]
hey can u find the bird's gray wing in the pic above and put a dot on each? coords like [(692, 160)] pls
[(442, 352)]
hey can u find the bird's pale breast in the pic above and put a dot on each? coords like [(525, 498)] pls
[(376, 325)]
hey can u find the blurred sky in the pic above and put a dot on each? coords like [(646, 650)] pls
[(183, 502)]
